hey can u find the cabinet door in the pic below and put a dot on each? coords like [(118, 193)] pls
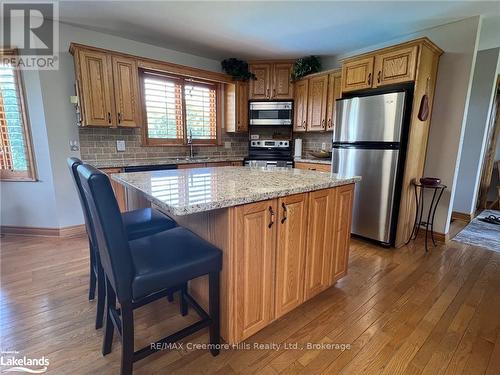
[(301, 92), (316, 103), (342, 236), (126, 88), (290, 253), (334, 93), (255, 236), (396, 66), (357, 74), (118, 188), (96, 88), (242, 107), (260, 88), (282, 86), (319, 241)]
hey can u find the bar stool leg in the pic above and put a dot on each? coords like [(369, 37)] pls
[(183, 302), (127, 362), (109, 328), (214, 312), (101, 296), (92, 283)]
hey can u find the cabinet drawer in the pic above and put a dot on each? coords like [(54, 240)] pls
[(314, 166)]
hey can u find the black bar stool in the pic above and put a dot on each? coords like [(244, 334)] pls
[(138, 223), (146, 269)]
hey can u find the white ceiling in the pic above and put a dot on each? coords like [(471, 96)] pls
[(258, 29)]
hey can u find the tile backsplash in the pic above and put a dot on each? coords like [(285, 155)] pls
[(100, 144), (313, 141)]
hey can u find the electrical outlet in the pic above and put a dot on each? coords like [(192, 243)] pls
[(227, 144), (74, 145), (323, 146), (120, 145)]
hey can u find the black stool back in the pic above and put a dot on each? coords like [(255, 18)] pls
[(110, 233)]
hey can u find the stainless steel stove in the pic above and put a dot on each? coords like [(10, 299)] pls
[(270, 153)]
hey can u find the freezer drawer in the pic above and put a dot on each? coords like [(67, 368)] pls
[(374, 194), (376, 118)]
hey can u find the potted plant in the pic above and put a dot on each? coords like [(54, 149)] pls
[(238, 69), (305, 66)]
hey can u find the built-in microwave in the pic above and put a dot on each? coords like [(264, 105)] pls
[(271, 113)]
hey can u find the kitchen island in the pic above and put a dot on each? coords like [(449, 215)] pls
[(284, 234)]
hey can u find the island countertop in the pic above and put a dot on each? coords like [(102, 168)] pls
[(188, 191)]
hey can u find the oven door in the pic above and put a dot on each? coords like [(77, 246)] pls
[(271, 113)]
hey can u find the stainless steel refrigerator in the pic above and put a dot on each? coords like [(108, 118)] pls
[(368, 141)]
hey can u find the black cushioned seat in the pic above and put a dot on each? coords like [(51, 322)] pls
[(144, 222), (169, 258)]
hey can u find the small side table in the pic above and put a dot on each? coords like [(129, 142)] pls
[(419, 200)]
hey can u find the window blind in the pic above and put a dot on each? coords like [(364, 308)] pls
[(15, 160), (178, 107)]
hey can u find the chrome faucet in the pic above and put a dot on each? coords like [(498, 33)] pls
[(190, 143)]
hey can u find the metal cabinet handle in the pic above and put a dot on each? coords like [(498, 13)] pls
[(323, 123), (267, 93), (119, 117), (329, 125), (304, 124), (272, 217), (109, 117), (378, 76), (274, 93), (369, 79), (284, 212)]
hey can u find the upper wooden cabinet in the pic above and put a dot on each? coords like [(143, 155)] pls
[(236, 107), (107, 89), (94, 81), (126, 87), (316, 103), (334, 93), (272, 80), (300, 111), (395, 66), (357, 74), (314, 100)]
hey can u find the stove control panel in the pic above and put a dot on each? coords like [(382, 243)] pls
[(270, 143)]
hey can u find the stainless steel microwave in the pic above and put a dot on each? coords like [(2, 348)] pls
[(271, 113)]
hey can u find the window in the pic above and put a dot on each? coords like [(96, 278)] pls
[(177, 108), (16, 160)]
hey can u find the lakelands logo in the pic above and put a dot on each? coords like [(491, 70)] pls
[(11, 362), (33, 30)]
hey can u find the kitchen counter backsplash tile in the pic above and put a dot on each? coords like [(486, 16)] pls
[(312, 141), (100, 144)]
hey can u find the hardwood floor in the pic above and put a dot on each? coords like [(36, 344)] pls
[(401, 311)]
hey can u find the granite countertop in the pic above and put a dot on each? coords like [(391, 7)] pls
[(187, 191), (314, 160), (119, 163)]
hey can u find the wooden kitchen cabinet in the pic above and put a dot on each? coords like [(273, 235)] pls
[(118, 188), (316, 103), (300, 111), (107, 88), (290, 252), (126, 91), (357, 74), (282, 87), (260, 88), (255, 229), (319, 251), (95, 86), (342, 232), (395, 66), (272, 80), (334, 93), (236, 107)]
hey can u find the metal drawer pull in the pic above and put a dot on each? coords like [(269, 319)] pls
[(284, 212), (272, 217)]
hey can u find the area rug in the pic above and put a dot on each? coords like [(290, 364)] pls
[(480, 233)]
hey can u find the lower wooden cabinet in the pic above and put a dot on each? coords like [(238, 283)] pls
[(290, 252), (286, 251), (255, 228), (118, 188), (320, 167)]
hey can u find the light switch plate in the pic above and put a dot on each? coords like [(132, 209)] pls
[(323, 146), (254, 137), (227, 144), (120, 145)]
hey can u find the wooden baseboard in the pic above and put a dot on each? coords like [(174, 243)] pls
[(461, 216), (74, 230)]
